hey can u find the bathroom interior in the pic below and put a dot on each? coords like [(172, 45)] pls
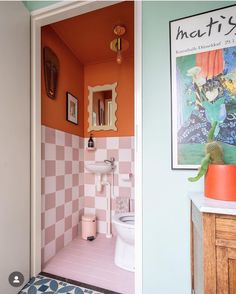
[(87, 148)]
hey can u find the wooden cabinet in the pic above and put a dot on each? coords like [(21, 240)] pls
[(213, 249)]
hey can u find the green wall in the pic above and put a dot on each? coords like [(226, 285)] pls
[(166, 208), (33, 5)]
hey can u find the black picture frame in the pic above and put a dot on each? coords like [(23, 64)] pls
[(72, 108), (218, 20)]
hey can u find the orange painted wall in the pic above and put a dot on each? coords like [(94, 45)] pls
[(71, 79), (108, 73)]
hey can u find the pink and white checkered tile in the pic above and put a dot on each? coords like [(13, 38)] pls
[(60, 190), (69, 191), (122, 149)]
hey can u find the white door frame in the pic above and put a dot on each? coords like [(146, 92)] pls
[(45, 16)]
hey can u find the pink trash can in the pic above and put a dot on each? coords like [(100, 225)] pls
[(88, 227)]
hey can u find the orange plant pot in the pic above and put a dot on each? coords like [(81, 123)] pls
[(220, 182)]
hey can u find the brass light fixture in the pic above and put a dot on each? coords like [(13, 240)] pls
[(119, 44)]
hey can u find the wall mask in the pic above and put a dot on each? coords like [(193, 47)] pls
[(51, 72)]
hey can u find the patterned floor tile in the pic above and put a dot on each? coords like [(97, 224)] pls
[(42, 284)]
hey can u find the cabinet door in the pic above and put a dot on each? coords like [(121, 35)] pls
[(232, 276), (14, 143), (226, 270)]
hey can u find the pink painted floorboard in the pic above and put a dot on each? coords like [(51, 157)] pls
[(92, 263)]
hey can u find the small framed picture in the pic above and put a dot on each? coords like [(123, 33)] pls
[(71, 108)]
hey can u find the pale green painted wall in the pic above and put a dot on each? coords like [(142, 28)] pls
[(166, 208), (33, 5), (166, 240)]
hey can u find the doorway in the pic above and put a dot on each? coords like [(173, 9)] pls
[(49, 17)]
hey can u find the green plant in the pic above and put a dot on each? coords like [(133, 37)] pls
[(213, 154)]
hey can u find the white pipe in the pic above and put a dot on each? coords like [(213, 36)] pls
[(112, 185), (108, 210), (98, 181)]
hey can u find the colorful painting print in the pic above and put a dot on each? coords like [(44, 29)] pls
[(42, 284), (207, 92), (203, 86)]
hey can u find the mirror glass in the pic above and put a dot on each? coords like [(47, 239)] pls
[(102, 107)]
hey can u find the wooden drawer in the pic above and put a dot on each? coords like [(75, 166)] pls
[(226, 228)]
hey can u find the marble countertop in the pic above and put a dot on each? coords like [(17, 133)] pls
[(209, 205)]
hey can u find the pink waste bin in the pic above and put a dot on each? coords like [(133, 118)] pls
[(88, 227)]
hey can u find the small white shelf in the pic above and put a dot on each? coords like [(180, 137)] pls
[(90, 148)]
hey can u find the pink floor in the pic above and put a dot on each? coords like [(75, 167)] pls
[(92, 263)]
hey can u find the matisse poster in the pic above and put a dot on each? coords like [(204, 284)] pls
[(203, 85)]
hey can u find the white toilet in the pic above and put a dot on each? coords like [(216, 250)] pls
[(124, 251)]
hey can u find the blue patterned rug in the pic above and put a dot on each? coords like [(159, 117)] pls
[(46, 285)]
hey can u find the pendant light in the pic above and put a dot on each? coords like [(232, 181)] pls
[(119, 44)]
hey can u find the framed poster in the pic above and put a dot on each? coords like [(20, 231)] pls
[(71, 108), (203, 85)]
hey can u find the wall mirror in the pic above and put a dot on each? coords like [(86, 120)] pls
[(102, 107)]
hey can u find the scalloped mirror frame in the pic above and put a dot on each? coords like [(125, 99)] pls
[(92, 90)]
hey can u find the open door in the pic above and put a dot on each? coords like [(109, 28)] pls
[(14, 145)]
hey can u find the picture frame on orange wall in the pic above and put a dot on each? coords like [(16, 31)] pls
[(71, 108)]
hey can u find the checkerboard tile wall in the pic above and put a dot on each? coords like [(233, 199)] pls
[(122, 149), (69, 191), (61, 188)]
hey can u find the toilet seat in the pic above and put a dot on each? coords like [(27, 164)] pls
[(125, 219)]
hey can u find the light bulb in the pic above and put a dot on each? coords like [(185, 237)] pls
[(119, 57)]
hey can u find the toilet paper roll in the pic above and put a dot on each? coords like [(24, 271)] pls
[(126, 177), (122, 204)]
